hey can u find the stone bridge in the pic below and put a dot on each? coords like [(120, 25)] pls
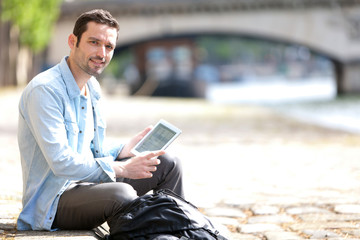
[(328, 27)]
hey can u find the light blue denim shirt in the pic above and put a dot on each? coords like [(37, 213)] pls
[(49, 135)]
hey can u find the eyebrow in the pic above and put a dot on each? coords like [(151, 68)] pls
[(94, 38), (98, 40)]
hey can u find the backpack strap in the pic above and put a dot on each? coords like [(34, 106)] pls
[(101, 232)]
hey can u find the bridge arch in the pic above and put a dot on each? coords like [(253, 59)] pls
[(220, 33), (327, 27), (319, 29), (239, 63), (316, 28)]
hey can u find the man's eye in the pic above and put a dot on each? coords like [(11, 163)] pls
[(93, 42), (109, 47)]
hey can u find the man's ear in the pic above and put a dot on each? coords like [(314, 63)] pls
[(72, 41)]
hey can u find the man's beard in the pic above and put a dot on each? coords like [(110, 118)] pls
[(97, 70)]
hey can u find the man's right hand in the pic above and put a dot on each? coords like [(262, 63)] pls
[(138, 167)]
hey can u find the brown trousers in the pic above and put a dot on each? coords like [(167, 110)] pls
[(88, 205)]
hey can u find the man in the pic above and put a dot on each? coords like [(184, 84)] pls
[(69, 175)]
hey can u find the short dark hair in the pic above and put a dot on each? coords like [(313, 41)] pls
[(98, 16)]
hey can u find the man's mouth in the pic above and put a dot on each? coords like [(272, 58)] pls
[(97, 61)]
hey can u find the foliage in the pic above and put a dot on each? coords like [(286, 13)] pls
[(119, 63), (33, 18)]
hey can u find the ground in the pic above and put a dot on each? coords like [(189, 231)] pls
[(255, 171)]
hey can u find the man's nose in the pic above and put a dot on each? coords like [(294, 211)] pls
[(101, 51)]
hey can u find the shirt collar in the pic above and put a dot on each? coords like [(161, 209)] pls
[(71, 86), (94, 88)]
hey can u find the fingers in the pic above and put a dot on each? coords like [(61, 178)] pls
[(152, 155), (148, 173), (145, 131), (155, 154), (151, 162), (142, 166), (152, 169), (142, 175)]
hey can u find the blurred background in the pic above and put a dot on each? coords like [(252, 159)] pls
[(222, 50), (267, 52)]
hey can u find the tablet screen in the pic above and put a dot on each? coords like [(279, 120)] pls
[(157, 139)]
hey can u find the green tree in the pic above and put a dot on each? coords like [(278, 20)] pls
[(34, 18), (32, 23)]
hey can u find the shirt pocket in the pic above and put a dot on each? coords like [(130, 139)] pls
[(72, 131)]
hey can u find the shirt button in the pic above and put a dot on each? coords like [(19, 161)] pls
[(97, 151), (82, 107), (80, 131)]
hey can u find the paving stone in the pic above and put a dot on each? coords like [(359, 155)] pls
[(347, 208), (282, 235), (58, 235), (336, 238), (9, 208), (7, 224), (320, 234), (225, 221), (263, 210), (340, 238), (324, 217), (306, 209), (222, 227), (203, 203), (240, 236), (244, 202), (271, 219), (284, 200), (355, 233), (259, 227), (322, 225), (226, 212)]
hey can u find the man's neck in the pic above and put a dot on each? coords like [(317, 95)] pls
[(81, 79)]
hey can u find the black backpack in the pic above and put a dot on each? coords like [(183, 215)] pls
[(163, 215)]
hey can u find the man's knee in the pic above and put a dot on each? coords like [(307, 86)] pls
[(172, 163), (122, 192)]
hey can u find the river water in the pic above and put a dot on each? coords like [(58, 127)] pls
[(310, 100)]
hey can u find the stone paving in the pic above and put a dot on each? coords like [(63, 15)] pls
[(257, 174)]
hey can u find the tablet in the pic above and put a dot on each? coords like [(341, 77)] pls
[(158, 138)]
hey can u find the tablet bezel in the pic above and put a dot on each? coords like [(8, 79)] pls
[(146, 137)]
